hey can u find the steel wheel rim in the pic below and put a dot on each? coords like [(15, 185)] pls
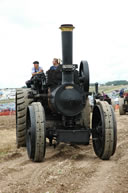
[(98, 129)]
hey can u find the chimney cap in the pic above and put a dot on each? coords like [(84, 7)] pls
[(67, 27)]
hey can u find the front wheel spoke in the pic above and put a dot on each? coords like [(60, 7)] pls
[(100, 138), (99, 130)]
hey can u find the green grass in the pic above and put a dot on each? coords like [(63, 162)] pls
[(7, 101), (3, 153), (107, 89)]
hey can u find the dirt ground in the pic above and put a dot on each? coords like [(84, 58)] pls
[(66, 169)]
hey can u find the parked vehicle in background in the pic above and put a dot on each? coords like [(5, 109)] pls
[(123, 103)]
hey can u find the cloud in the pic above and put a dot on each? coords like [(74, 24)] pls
[(29, 31)]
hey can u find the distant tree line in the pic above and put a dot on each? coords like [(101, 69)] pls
[(115, 83)]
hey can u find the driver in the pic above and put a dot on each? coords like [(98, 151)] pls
[(55, 64), (36, 69)]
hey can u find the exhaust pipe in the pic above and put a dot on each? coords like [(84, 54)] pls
[(67, 53)]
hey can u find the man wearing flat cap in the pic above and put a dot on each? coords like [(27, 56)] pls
[(36, 69)]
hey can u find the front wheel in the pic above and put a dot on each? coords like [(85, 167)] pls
[(104, 130), (121, 109), (36, 133), (85, 115)]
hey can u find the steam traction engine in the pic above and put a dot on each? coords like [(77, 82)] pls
[(103, 96), (123, 104), (56, 107)]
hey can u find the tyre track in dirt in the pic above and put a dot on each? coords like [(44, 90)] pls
[(67, 169)]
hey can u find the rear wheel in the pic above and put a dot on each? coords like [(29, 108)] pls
[(113, 104), (104, 130), (84, 75), (121, 109), (85, 118), (21, 103), (36, 132)]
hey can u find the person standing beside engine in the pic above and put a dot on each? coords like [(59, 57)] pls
[(121, 93), (36, 69)]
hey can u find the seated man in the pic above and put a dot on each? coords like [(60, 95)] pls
[(36, 69), (55, 64), (54, 74)]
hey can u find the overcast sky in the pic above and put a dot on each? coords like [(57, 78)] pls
[(29, 30)]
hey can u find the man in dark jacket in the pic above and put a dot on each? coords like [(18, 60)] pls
[(55, 64)]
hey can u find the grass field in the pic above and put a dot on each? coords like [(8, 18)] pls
[(108, 89), (7, 101)]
